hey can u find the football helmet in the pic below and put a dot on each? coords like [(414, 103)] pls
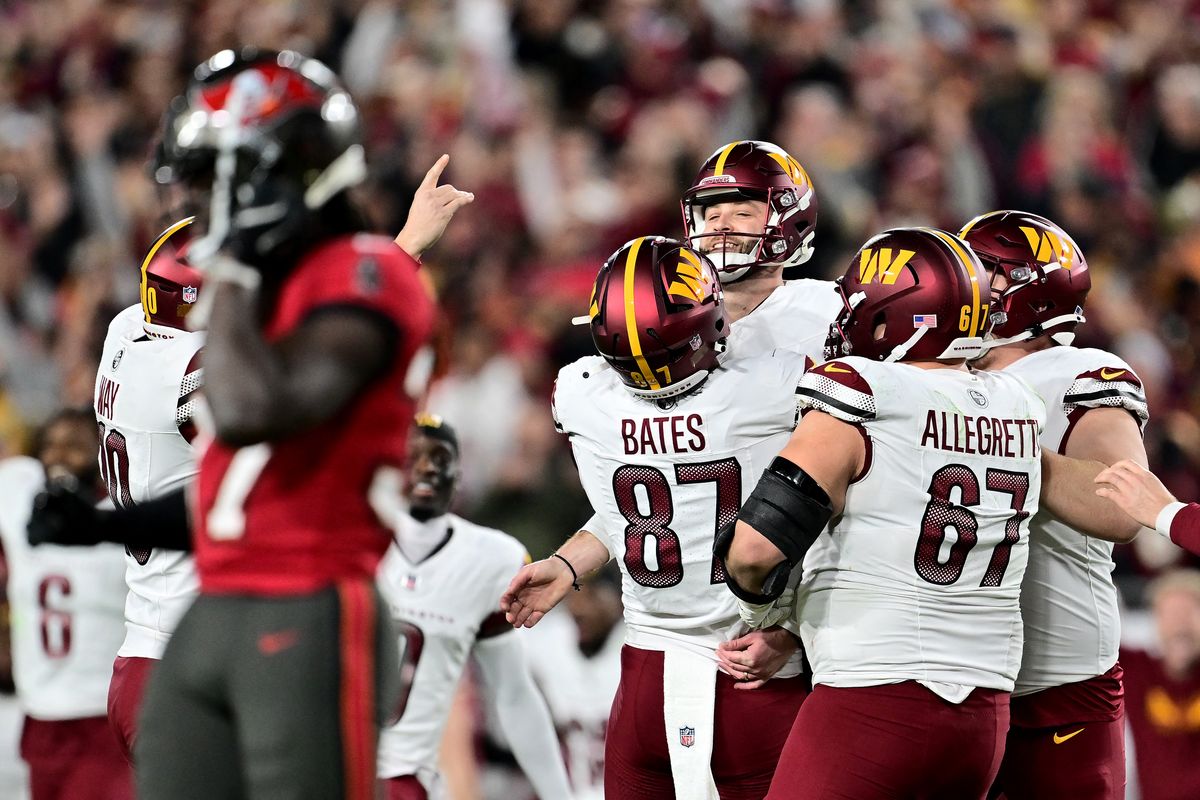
[(657, 316), (169, 288), (912, 294), (752, 170), (1046, 276), (274, 135)]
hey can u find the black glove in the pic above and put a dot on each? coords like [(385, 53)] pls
[(64, 514)]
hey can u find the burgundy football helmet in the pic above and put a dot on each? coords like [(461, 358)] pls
[(1046, 275), (169, 288), (751, 170), (657, 316), (912, 294), (274, 135)]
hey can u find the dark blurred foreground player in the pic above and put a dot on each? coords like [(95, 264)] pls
[(285, 666), (280, 674), (66, 625)]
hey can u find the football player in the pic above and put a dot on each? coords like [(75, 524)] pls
[(1067, 734), (578, 669), (753, 211), (1141, 495), (442, 577), (910, 613), (66, 625), (146, 394), (313, 362), (663, 439)]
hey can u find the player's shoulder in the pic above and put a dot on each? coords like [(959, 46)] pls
[(845, 388), (812, 295), (20, 470), (779, 369), (361, 270), (579, 387), (127, 321), (1016, 387), (1067, 363), (492, 546)]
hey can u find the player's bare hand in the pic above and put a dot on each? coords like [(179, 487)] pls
[(754, 659), (1135, 490), (536, 589), (432, 208)]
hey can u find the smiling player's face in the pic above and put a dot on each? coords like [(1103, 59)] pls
[(430, 476), (733, 217)]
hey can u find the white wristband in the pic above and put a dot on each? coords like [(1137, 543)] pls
[(1162, 523)]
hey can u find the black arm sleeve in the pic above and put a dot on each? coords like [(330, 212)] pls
[(63, 515), (162, 522)]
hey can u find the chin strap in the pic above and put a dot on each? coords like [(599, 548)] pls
[(1058, 337)]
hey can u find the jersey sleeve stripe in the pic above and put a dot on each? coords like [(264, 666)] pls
[(824, 402)]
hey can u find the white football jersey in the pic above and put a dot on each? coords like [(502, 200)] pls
[(920, 577), (440, 607), (147, 388), (65, 605), (579, 690), (663, 479), (1069, 602), (795, 317)]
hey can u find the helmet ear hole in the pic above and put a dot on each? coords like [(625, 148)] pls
[(879, 326)]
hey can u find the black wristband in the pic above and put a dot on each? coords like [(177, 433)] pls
[(574, 575)]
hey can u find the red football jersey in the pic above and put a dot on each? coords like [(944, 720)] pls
[(294, 516)]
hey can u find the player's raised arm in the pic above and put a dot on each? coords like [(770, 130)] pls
[(432, 208), (797, 494)]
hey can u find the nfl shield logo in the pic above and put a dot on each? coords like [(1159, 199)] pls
[(190, 293), (117, 359), (410, 582), (687, 736)]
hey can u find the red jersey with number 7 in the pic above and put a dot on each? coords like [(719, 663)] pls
[(299, 514)]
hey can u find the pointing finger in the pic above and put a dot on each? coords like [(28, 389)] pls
[(431, 178)]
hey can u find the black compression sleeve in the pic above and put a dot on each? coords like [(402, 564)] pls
[(162, 522)]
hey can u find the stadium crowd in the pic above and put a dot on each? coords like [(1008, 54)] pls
[(577, 124)]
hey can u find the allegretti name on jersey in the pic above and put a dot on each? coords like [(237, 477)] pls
[(983, 436), (663, 435)]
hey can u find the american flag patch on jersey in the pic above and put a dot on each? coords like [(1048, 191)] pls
[(924, 320)]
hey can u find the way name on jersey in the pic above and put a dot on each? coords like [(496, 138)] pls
[(663, 435), (106, 397), (983, 436)]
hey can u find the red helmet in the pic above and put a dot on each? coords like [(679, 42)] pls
[(750, 170), (168, 287), (1047, 277), (658, 317), (276, 136), (912, 294)]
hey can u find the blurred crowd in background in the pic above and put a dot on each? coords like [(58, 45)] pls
[(578, 124)]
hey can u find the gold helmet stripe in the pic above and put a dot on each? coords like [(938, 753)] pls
[(967, 228), (965, 257), (725, 151), (154, 248), (631, 327)]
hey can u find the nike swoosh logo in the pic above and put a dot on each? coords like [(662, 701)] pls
[(1060, 739), (1109, 375), (832, 368), (271, 643)]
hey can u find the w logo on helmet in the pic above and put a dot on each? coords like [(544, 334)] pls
[(1048, 246), (879, 263), (691, 282)]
